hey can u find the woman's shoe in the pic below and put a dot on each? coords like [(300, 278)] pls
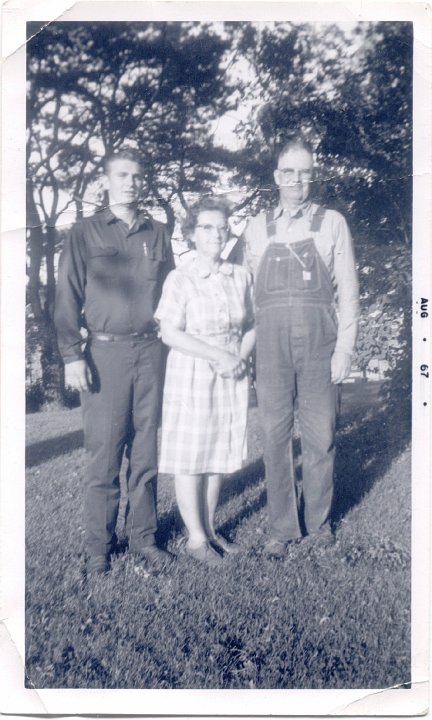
[(204, 553), (229, 547), (275, 548)]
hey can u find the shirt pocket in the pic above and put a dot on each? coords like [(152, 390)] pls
[(103, 262), (152, 262)]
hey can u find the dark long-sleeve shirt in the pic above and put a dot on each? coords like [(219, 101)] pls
[(113, 274)]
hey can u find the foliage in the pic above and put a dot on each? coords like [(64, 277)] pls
[(352, 96), (157, 86), (164, 87), (93, 87), (396, 392), (34, 397), (333, 618), (71, 398), (385, 285), (37, 397)]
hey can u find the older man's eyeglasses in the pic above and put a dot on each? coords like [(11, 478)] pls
[(290, 174)]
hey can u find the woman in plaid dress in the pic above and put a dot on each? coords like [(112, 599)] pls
[(206, 318)]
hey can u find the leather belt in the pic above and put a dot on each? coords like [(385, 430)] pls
[(112, 337)]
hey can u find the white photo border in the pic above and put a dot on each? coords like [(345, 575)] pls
[(16, 699)]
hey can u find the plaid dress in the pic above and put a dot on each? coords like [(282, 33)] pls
[(204, 415)]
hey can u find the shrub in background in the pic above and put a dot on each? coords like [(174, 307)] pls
[(35, 397)]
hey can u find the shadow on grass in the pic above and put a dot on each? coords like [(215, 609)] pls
[(241, 480), (369, 439), (45, 450), (238, 482)]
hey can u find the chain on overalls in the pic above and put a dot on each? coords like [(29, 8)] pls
[(296, 336)]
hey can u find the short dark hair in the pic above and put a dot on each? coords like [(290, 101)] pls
[(122, 154), (295, 142), (206, 202)]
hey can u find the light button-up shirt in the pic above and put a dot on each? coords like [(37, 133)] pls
[(335, 246)]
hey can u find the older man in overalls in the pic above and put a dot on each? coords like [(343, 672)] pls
[(307, 315)]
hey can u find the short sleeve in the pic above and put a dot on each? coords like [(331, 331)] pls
[(172, 305), (254, 242)]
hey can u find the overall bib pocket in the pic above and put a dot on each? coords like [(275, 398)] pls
[(293, 268), (305, 270), (277, 273)]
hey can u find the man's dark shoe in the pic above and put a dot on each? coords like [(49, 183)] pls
[(97, 565), (153, 556), (323, 537), (275, 548)]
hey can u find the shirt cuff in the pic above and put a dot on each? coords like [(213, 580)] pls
[(345, 352), (73, 358)]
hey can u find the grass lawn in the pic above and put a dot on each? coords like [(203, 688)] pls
[(334, 618)]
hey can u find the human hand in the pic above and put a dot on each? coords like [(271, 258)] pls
[(78, 375), (230, 365), (340, 366)]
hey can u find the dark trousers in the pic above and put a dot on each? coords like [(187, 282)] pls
[(121, 412), (294, 349)]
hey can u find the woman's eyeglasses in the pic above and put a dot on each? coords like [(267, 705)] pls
[(223, 229)]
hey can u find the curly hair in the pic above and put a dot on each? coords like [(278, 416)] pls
[(209, 203)]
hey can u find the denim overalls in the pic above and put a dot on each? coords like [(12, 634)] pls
[(296, 337)]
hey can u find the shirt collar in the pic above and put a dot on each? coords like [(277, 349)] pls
[(225, 268), (141, 219), (301, 210)]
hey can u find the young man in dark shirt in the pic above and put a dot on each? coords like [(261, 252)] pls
[(111, 271)]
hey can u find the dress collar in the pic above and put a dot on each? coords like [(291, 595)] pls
[(225, 268)]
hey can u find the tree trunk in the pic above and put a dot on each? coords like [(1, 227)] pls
[(79, 209), (36, 239), (41, 299), (169, 212), (50, 239), (52, 365)]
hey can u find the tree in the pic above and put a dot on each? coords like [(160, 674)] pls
[(93, 86), (162, 87), (352, 96)]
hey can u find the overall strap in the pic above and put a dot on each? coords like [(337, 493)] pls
[(315, 224), (317, 219), (270, 224)]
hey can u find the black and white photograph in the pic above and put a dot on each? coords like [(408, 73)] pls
[(222, 343)]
